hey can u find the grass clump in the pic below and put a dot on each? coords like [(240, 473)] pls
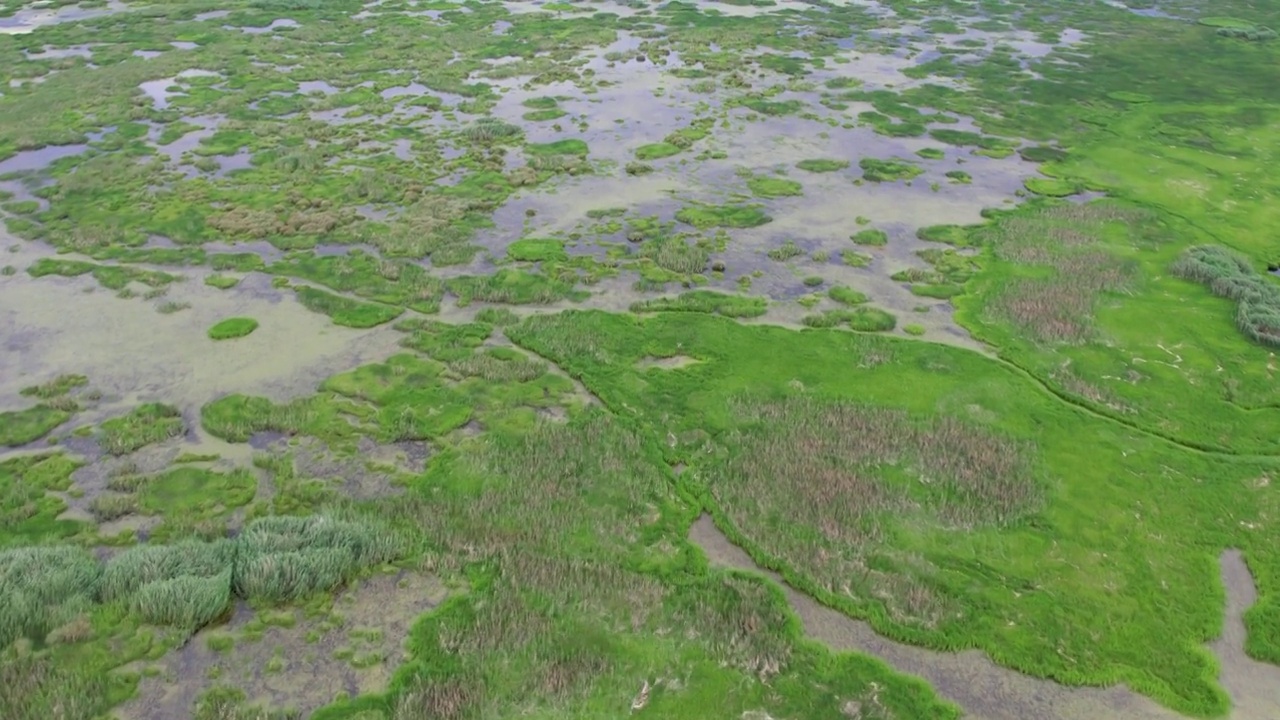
[(1052, 187), (499, 317), (657, 151), (892, 170), (43, 588), (822, 166), (959, 177), (55, 388), (221, 282), (288, 558), (345, 311), (19, 427), (727, 216), (861, 319), (142, 426), (871, 237), (931, 153), (536, 250), (706, 301), (846, 296), (1230, 275), (571, 146), (186, 584), (786, 251), (235, 327), (773, 187)]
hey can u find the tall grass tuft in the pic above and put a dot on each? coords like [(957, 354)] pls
[(1232, 276), (285, 558), (42, 588), (188, 601), (129, 571)]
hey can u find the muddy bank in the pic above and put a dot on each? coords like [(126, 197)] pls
[(987, 691)]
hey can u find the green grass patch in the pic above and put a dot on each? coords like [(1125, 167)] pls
[(772, 187), (536, 250), (345, 311), (235, 327), (657, 151), (726, 216), (822, 166), (871, 237), (893, 170), (706, 301)]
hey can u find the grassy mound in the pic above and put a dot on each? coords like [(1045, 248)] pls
[(234, 327)]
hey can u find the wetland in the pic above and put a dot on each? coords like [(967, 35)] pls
[(458, 359)]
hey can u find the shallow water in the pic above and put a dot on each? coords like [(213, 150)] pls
[(986, 691)]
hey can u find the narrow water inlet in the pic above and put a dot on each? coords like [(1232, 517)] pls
[(987, 691)]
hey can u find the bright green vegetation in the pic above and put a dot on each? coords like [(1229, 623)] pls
[(863, 319), (657, 151), (1230, 275), (571, 146), (19, 427), (536, 250), (27, 509), (1052, 187), (959, 177), (235, 327), (345, 311), (705, 301), (822, 165), (728, 216), (870, 236), (931, 153), (772, 187), (114, 277), (876, 170), (222, 282), (142, 426), (846, 296)]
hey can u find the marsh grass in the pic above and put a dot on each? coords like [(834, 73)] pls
[(19, 427), (57, 387), (842, 473), (231, 328), (345, 311), (1230, 275), (288, 558), (705, 301), (1058, 307), (144, 425), (43, 588)]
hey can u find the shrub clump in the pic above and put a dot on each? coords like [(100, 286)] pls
[(1230, 275)]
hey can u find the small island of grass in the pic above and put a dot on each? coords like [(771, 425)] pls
[(235, 327)]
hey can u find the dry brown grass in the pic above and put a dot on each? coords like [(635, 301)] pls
[(821, 484), (1059, 307)]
